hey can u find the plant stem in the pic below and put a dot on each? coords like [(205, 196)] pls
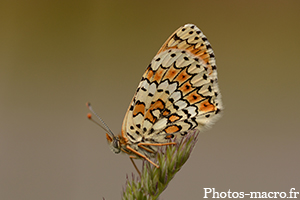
[(154, 181)]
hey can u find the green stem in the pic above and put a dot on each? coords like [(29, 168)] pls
[(154, 181)]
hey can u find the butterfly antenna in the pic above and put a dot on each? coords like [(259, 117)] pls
[(103, 125)]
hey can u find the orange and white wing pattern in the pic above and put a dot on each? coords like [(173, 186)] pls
[(178, 92)]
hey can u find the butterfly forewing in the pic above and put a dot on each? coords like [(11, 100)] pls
[(178, 91)]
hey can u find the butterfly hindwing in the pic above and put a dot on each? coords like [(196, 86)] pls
[(178, 91)]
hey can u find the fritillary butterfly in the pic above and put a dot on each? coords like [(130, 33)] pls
[(178, 93)]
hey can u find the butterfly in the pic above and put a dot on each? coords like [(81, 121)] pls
[(178, 92)]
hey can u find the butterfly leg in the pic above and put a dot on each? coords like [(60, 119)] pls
[(131, 158), (143, 146), (155, 144), (141, 155)]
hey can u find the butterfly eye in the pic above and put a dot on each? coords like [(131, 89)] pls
[(116, 145)]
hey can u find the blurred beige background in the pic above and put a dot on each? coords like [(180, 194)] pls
[(57, 55)]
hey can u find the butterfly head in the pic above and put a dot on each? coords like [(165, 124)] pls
[(114, 143)]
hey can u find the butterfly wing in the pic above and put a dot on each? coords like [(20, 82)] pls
[(178, 91)]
